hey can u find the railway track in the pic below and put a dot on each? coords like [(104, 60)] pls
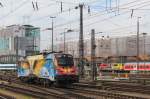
[(44, 93), (112, 94), (32, 92), (118, 86), (66, 94), (64, 91), (2, 96), (128, 87), (82, 93), (109, 94), (109, 90), (72, 93)]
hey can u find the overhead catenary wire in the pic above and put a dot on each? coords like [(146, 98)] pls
[(47, 6), (58, 13), (1, 4), (71, 9), (98, 21), (124, 27), (111, 12), (58, 1), (60, 25), (18, 7), (136, 8), (92, 17), (35, 6), (113, 16)]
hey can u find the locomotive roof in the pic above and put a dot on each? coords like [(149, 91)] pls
[(35, 57), (41, 55)]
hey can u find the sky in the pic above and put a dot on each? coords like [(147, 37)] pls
[(108, 17)]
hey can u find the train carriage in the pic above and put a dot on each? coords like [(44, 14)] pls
[(143, 66)]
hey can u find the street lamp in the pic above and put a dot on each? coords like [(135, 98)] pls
[(104, 46), (144, 34), (64, 39), (52, 17), (138, 42), (69, 30)]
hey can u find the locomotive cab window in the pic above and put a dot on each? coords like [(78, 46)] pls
[(64, 60)]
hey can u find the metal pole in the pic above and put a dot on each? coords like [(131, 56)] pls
[(81, 44), (17, 58), (144, 34), (93, 46), (144, 50), (52, 32), (64, 41), (138, 43), (33, 45), (73, 53)]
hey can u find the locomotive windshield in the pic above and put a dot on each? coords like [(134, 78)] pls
[(65, 60)]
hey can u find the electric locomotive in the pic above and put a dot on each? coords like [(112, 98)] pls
[(48, 68)]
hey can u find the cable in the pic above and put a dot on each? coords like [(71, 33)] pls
[(114, 16), (129, 11), (57, 1), (110, 17), (122, 28), (126, 4), (135, 0), (18, 7), (41, 8), (92, 17), (57, 13), (5, 2), (70, 9), (54, 14)]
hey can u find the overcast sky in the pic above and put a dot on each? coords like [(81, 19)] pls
[(111, 17)]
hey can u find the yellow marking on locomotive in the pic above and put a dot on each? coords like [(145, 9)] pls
[(32, 59), (69, 70), (66, 70)]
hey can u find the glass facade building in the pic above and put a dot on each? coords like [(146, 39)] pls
[(24, 38)]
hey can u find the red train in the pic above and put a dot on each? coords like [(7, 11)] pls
[(142, 66), (129, 66)]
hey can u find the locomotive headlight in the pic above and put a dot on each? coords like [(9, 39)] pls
[(69, 70), (65, 70)]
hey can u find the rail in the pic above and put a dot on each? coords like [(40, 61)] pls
[(2, 96)]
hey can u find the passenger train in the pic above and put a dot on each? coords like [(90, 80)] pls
[(48, 68), (128, 66), (142, 66)]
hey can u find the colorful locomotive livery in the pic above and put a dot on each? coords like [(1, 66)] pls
[(51, 67), (24, 68)]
